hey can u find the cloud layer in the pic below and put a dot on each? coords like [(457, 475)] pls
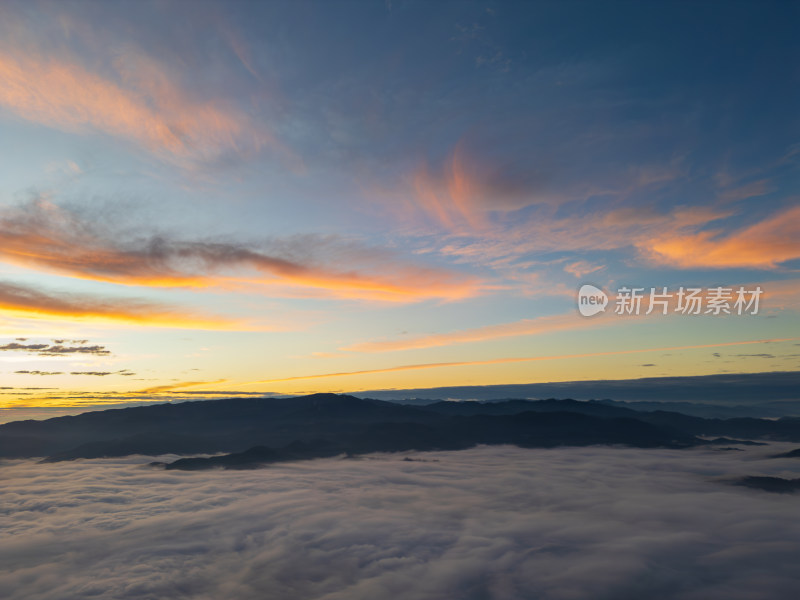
[(500, 523), (24, 301), (44, 236), (765, 244), (57, 348)]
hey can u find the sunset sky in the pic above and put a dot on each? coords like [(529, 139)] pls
[(293, 197)]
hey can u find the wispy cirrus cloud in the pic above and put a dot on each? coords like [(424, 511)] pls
[(45, 236), (581, 268), (539, 325), (475, 191), (763, 245), (505, 245), (745, 191), (493, 216), (462, 195), (135, 99), (683, 237), (451, 199)]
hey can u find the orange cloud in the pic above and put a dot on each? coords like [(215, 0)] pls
[(496, 361), (450, 200), (764, 245), (19, 301), (43, 236), (581, 268), (462, 195), (500, 246), (143, 105)]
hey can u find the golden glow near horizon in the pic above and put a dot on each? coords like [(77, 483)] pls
[(217, 212)]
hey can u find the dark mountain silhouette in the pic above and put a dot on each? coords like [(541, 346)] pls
[(770, 484), (723, 440), (791, 454), (208, 426), (528, 429), (257, 456), (513, 406), (784, 429), (773, 409), (328, 424)]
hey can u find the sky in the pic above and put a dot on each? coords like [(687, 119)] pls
[(208, 198)]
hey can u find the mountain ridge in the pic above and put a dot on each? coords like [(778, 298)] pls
[(350, 424)]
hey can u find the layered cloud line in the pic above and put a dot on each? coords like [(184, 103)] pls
[(57, 348), (123, 372), (683, 237), (23, 301), (496, 361), (44, 236), (490, 213), (539, 325)]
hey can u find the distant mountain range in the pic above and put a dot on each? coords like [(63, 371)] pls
[(256, 431), (771, 394), (765, 410)]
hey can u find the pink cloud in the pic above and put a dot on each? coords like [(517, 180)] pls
[(763, 245)]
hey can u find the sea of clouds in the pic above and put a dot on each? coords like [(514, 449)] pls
[(487, 523)]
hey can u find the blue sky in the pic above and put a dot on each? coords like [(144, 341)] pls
[(244, 196)]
